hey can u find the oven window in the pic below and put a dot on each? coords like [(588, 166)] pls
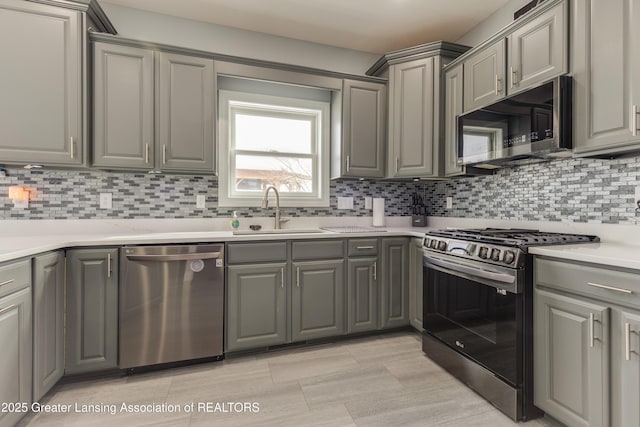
[(474, 319)]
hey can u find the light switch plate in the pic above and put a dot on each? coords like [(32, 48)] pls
[(368, 202), (345, 202), (449, 202), (106, 201), (200, 201)]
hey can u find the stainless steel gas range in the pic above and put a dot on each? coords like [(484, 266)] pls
[(478, 310)]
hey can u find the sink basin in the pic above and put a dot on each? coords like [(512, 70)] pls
[(281, 231)]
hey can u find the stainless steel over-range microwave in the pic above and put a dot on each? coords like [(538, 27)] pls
[(535, 123)]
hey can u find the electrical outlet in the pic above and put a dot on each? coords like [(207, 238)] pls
[(200, 201), (345, 202), (449, 202), (106, 201), (368, 202)]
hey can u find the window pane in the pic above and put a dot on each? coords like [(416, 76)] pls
[(274, 134), (291, 175)]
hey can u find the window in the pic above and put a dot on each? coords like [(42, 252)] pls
[(270, 140)]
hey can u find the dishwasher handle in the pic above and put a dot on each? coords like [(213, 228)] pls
[(176, 257)]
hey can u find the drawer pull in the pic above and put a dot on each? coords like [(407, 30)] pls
[(6, 282), (364, 247), (610, 288), (4, 310)]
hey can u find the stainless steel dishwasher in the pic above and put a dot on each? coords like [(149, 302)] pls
[(171, 304)]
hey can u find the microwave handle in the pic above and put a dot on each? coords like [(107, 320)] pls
[(472, 271)]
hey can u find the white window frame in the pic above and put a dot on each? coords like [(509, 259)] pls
[(232, 101)]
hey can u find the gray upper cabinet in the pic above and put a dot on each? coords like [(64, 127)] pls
[(41, 85), (394, 271), (363, 130), (571, 346), (123, 107), (317, 299), (186, 103), (15, 338), (606, 70), (538, 50), (413, 106), (153, 110), (48, 321), (484, 79), (92, 310), (452, 109)]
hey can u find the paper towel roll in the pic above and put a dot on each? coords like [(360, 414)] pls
[(378, 212)]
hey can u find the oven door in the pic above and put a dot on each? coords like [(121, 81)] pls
[(476, 309)]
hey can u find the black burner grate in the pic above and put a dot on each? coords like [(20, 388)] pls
[(516, 237)]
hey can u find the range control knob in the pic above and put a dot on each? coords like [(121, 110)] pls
[(442, 246), (433, 244), (495, 254), (483, 252), (509, 256)]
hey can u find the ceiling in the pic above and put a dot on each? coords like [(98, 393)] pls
[(375, 26)]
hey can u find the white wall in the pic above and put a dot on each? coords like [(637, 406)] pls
[(158, 28), (500, 19)]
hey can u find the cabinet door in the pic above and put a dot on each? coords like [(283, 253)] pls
[(362, 294), (256, 306), (92, 310), (317, 300), (538, 51), (48, 322), (415, 283), (363, 128), (625, 358), (16, 360), (452, 109), (484, 76), (185, 102), (606, 69), (41, 84), (571, 363), (413, 103), (123, 107), (394, 309)]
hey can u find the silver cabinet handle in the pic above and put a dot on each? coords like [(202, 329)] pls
[(627, 341), (71, 148), (591, 334), (282, 277), (6, 282), (348, 163), (610, 288), (108, 265), (146, 153), (164, 154), (397, 164), (180, 257), (298, 276), (514, 77), (496, 85), (364, 247), (4, 310), (375, 270), (634, 120)]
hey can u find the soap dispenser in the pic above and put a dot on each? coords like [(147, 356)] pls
[(235, 222)]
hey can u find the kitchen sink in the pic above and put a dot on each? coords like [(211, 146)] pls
[(280, 231)]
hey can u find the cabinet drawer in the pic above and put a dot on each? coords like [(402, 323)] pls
[(14, 276), (362, 247), (317, 249), (256, 252), (615, 285)]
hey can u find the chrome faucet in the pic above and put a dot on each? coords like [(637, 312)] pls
[(265, 204)]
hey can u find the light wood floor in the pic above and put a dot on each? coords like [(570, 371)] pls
[(375, 381)]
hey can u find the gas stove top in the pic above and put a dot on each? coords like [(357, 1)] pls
[(505, 247)]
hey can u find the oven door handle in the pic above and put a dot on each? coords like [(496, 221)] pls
[(472, 271)]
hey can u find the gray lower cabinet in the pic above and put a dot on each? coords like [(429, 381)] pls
[(16, 339), (606, 71), (625, 366), (42, 65), (92, 310), (363, 142), (394, 270), (362, 294), (571, 343), (153, 110), (415, 283), (256, 306), (48, 321), (317, 299)]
